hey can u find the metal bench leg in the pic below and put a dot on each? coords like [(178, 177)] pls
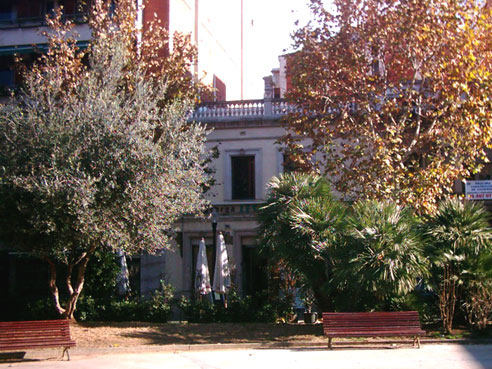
[(65, 350), (416, 341), (330, 343)]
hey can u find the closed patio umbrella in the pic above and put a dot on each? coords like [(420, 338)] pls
[(222, 275), (202, 276), (122, 279)]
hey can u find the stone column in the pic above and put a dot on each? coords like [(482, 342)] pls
[(268, 95)]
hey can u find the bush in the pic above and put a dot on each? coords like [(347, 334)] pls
[(154, 309), (425, 302), (159, 306), (39, 309), (88, 308), (27, 308), (262, 307), (478, 303), (101, 275)]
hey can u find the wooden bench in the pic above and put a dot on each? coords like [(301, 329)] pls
[(36, 334), (377, 324)]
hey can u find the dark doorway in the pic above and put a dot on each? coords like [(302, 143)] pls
[(254, 267)]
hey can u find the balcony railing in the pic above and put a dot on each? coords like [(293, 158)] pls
[(229, 109), (15, 22), (235, 110)]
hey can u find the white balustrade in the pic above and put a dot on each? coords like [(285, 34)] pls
[(242, 109)]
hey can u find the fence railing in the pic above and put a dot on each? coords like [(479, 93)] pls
[(243, 109)]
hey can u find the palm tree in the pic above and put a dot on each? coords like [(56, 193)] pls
[(300, 223), (457, 235), (384, 254), (485, 264)]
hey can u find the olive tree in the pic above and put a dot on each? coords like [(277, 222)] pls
[(96, 152)]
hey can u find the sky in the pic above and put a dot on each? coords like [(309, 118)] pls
[(268, 25)]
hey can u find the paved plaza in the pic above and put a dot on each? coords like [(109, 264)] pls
[(430, 356)]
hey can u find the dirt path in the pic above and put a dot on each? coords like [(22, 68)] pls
[(101, 335)]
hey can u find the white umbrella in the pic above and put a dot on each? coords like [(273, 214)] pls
[(222, 275), (122, 280), (202, 277)]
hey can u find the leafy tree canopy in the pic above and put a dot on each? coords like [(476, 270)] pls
[(96, 151), (396, 95)]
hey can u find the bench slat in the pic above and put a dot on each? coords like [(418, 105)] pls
[(42, 323), (31, 344), (6, 341), (37, 332), (39, 343), (378, 322), (370, 327)]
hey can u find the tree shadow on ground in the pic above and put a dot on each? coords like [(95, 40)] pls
[(165, 334)]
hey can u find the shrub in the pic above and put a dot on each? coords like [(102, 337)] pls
[(157, 308), (262, 307), (478, 303), (458, 234)]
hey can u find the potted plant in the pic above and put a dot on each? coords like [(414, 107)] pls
[(310, 316)]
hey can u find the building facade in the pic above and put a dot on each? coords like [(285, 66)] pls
[(218, 43), (21, 22), (217, 38), (245, 133)]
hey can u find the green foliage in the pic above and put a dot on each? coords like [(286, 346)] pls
[(263, 307), (300, 224), (485, 264), (477, 303), (160, 303), (95, 153), (101, 274), (419, 300), (458, 236), (477, 292), (86, 171), (459, 231), (157, 308), (307, 296), (382, 257), (197, 310), (352, 258)]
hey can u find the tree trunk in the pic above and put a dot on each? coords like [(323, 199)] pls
[(318, 281), (447, 299), (54, 289), (79, 284), (323, 301), (74, 290)]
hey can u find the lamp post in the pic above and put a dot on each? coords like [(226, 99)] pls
[(214, 228), (213, 219)]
